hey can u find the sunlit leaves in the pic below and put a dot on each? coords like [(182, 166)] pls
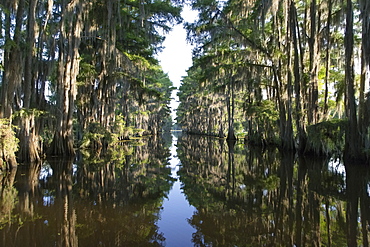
[(8, 141)]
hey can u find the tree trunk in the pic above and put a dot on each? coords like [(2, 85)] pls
[(13, 71), (352, 149), (299, 116), (314, 60), (29, 148), (288, 138), (364, 116), (28, 136), (230, 111), (68, 68), (12, 63), (327, 57), (283, 91), (30, 54)]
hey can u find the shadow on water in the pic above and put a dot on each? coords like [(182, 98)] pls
[(241, 197)]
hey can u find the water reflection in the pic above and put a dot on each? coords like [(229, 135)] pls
[(248, 197), (138, 195), (176, 209), (112, 200)]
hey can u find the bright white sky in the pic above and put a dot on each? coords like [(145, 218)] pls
[(176, 56)]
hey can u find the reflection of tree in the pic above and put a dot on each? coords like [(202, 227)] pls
[(357, 182), (228, 190), (100, 201), (136, 173), (263, 198), (65, 216), (123, 198), (8, 197)]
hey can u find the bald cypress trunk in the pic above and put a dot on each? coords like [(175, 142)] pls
[(364, 100), (352, 149), (297, 70), (313, 104), (231, 110), (12, 61), (12, 77), (29, 147), (70, 38)]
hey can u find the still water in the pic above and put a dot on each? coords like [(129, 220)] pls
[(176, 209), (185, 190)]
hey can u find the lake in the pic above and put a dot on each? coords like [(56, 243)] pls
[(183, 190)]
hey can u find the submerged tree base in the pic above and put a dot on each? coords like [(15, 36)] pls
[(231, 135), (326, 138), (61, 146)]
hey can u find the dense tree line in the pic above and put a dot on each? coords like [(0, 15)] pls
[(81, 72), (292, 73)]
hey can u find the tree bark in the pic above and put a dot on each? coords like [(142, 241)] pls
[(68, 68), (352, 134), (12, 62), (299, 116), (364, 116), (314, 60), (29, 145), (230, 111), (327, 57)]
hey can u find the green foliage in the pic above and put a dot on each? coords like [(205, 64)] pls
[(8, 141), (96, 159), (264, 117), (242, 40), (120, 130), (118, 68), (264, 111), (96, 136), (47, 136), (7, 203), (87, 71), (337, 225), (326, 138), (154, 16), (339, 78), (32, 112)]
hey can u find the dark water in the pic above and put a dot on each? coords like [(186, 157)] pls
[(199, 192)]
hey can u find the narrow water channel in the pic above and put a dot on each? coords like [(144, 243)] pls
[(176, 210), (197, 191)]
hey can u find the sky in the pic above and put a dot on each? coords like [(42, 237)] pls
[(176, 56)]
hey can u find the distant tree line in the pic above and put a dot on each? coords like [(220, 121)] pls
[(77, 72), (291, 73)]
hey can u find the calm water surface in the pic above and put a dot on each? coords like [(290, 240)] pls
[(184, 190), (176, 209)]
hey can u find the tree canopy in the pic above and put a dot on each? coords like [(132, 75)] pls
[(77, 73), (70, 68), (268, 70)]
